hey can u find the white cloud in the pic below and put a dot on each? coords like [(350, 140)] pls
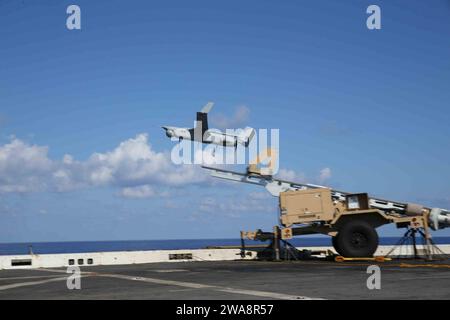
[(23, 167), (133, 167), (324, 175), (290, 175), (261, 195), (234, 206), (239, 118), (144, 191), (133, 163)]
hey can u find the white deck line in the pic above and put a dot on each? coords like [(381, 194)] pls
[(30, 283), (183, 284), (193, 285)]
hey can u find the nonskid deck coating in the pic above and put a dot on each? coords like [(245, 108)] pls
[(238, 280)]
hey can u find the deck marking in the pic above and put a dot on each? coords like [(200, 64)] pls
[(267, 294), (191, 285), (31, 283), (424, 278), (257, 293), (169, 270), (28, 277), (87, 273), (157, 281)]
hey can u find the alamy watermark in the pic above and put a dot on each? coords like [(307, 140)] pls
[(74, 279), (373, 22), (262, 149), (374, 280), (73, 21)]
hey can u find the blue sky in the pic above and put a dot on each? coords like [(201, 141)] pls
[(372, 106)]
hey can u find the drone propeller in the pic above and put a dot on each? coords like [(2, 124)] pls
[(207, 108)]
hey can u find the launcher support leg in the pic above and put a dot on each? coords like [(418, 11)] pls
[(242, 245), (413, 236), (427, 238), (276, 242)]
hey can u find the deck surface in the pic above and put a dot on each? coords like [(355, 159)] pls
[(236, 280)]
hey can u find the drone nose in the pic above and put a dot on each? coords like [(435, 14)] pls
[(169, 132)]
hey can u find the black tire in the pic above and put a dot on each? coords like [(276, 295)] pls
[(335, 245), (356, 239)]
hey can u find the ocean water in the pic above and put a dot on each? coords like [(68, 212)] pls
[(134, 245)]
